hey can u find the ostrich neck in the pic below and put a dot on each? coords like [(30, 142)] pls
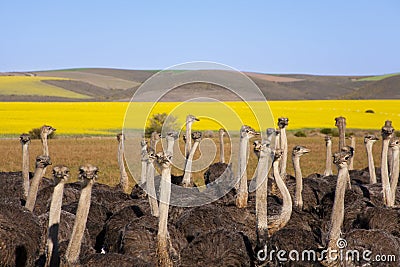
[(342, 136), (162, 235), (188, 166), (328, 164), (33, 189), (144, 159), (45, 145), (279, 221), (394, 174), (74, 246), (123, 181), (25, 168), (353, 145), (188, 144), (170, 146), (221, 149), (338, 208), (54, 222), (299, 181), (261, 197), (371, 165), (151, 190), (284, 147), (385, 173)]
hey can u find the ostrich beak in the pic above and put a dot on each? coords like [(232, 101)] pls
[(196, 119)]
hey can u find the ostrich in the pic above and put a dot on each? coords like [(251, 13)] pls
[(88, 174), (163, 241), (279, 221), (171, 137), (150, 185), (188, 142), (341, 160), (41, 163), (144, 158), (282, 124), (263, 153), (297, 152), (328, 164), (25, 140), (154, 139), (353, 145), (45, 131), (394, 175), (246, 132), (61, 175), (123, 180), (341, 125), (369, 141), (196, 136), (387, 132), (221, 145)]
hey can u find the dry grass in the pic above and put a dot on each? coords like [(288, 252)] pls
[(102, 152)]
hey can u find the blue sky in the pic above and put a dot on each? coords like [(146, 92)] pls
[(316, 37)]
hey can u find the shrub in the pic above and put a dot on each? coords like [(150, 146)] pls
[(161, 123), (397, 134), (326, 131), (369, 111), (300, 134), (35, 134)]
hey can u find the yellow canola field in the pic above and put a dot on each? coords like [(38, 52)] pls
[(33, 85), (106, 118)]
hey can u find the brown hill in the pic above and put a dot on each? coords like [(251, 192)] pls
[(388, 88)]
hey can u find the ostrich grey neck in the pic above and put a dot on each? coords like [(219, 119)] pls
[(298, 201), (242, 195), (54, 222), (74, 245), (150, 188), (261, 198), (33, 189), (394, 176), (188, 144), (353, 145), (279, 221), (387, 196), (162, 235), (278, 141), (371, 165), (144, 159), (123, 180), (25, 168), (390, 160), (188, 166), (170, 145), (337, 216), (284, 147), (342, 135), (221, 148), (328, 164)]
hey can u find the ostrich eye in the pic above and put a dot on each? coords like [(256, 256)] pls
[(346, 158)]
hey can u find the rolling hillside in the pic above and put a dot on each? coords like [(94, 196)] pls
[(103, 84)]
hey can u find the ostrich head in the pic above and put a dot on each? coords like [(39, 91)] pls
[(163, 159), (172, 135), (340, 121), (341, 159), (328, 138), (260, 148), (190, 118), (247, 132), (196, 136), (143, 143), (120, 137), (387, 130), (60, 173), (222, 131), (300, 151), (25, 139), (278, 155), (88, 172), (155, 136), (151, 155), (370, 139), (42, 161), (395, 144), (349, 150), (46, 130), (283, 122)]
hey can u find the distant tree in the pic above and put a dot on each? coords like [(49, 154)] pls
[(300, 134), (35, 134), (161, 123)]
